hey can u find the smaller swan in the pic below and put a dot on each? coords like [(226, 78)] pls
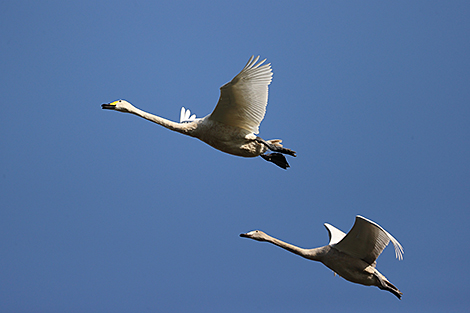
[(352, 255), (232, 126)]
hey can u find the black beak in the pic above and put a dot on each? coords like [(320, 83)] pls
[(243, 235), (108, 106)]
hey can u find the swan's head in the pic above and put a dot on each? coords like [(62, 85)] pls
[(118, 105), (256, 235)]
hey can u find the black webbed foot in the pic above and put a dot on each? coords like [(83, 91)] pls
[(277, 158)]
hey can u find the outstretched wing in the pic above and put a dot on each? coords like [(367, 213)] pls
[(335, 234), (366, 240), (243, 100)]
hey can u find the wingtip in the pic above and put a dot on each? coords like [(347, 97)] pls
[(398, 248), (253, 62), (399, 251), (185, 115)]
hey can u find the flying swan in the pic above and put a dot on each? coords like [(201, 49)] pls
[(352, 255), (232, 126)]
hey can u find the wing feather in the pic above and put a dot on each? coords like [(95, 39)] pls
[(366, 240), (243, 100), (182, 114), (185, 116), (335, 234)]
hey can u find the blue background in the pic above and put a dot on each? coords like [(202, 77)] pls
[(106, 212)]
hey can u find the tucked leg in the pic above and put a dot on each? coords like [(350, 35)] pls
[(386, 285), (275, 147)]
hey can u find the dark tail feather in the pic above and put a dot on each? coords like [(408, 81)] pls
[(277, 158)]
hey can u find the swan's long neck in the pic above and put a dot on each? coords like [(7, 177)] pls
[(312, 254), (178, 127)]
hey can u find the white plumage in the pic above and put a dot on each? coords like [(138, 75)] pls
[(366, 241), (232, 126), (185, 116), (352, 255), (243, 100)]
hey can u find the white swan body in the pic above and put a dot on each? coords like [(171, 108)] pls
[(352, 255), (232, 126)]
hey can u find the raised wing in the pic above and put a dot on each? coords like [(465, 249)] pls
[(335, 234), (185, 116), (243, 100), (366, 240)]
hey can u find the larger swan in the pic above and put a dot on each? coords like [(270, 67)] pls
[(232, 126), (351, 256)]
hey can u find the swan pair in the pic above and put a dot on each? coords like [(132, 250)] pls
[(232, 128)]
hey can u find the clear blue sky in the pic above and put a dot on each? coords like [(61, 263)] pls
[(106, 212)]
